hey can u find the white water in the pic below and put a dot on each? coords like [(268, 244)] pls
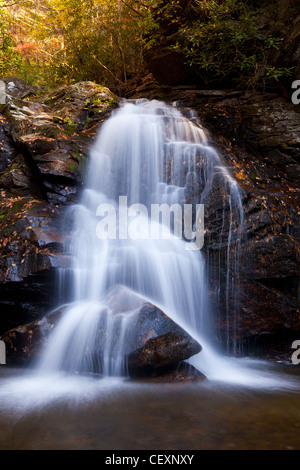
[(150, 153), (130, 157)]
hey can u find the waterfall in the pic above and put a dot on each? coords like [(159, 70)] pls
[(146, 154)]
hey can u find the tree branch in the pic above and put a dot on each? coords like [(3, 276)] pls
[(131, 8), (107, 69)]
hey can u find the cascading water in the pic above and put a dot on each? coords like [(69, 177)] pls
[(146, 153)]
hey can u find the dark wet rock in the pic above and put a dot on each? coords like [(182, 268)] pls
[(31, 245), (17, 178), (266, 310), (181, 373), (25, 343), (30, 240), (38, 144), (150, 340), (257, 136), (7, 149), (155, 342), (19, 88), (55, 131)]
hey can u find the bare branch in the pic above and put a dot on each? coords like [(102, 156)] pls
[(131, 8), (107, 69)]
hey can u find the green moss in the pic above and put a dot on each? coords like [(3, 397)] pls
[(72, 166), (71, 126), (49, 130), (80, 160)]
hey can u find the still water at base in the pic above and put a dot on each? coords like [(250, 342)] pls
[(76, 412)]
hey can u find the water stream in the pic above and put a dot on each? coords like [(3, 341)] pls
[(146, 153), (147, 156)]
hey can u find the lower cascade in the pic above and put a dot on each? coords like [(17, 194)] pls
[(137, 237)]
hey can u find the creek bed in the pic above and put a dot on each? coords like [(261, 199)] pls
[(75, 412)]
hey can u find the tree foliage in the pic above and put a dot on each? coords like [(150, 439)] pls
[(9, 57), (63, 41), (71, 40), (231, 40)]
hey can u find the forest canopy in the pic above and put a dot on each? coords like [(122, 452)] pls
[(52, 42)]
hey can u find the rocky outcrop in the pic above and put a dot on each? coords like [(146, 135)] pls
[(54, 133), (46, 139), (257, 136), (142, 337)]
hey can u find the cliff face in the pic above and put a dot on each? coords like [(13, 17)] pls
[(45, 143), (258, 138)]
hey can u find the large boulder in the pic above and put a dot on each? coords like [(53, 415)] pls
[(149, 341), (156, 342)]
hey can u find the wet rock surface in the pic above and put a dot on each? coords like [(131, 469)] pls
[(25, 343), (258, 138), (157, 343), (181, 373), (45, 140), (150, 342), (259, 141)]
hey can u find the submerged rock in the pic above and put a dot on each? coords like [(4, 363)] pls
[(181, 373)]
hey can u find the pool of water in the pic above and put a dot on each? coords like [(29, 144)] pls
[(76, 412)]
